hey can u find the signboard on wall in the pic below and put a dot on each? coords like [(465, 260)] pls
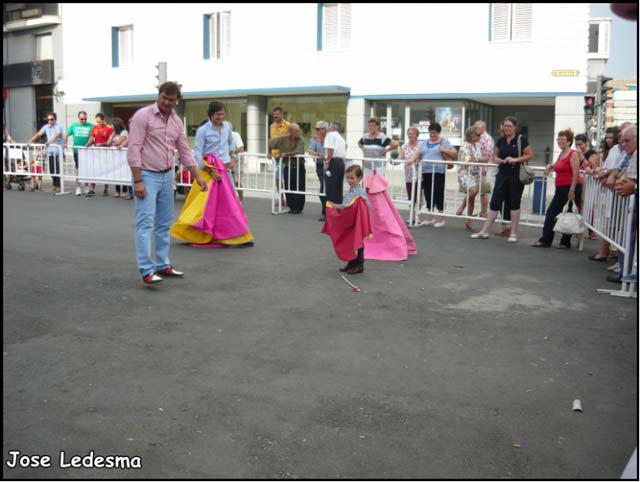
[(26, 74)]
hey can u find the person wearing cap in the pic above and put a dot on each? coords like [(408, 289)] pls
[(316, 148)]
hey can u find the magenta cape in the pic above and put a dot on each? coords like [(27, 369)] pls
[(347, 227), (391, 240), (214, 216)]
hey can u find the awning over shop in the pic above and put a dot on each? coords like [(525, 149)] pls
[(221, 94)]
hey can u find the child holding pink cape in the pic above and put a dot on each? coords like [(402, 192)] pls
[(348, 225)]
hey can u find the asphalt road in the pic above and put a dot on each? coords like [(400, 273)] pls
[(462, 362)]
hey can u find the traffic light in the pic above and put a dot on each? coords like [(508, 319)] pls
[(603, 89), (161, 67), (589, 105)]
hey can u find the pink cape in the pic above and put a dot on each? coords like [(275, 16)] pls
[(391, 240), (214, 216), (347, 228)]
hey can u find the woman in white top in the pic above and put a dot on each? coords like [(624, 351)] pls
[(119, 139)]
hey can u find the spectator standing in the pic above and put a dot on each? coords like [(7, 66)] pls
[(486, 148), (508, 186), (81, 132), (567, 168), (316, 148), (278, 128), (6, 137), (238, 171), (589, 161), (156, 130), (433, 175), (375, 145), (607, 175), (100, 137), (407, 152), (35, 169), (294, 172), (54, 134), (119, 139), (469, 175), (610, 140), (336, 151), (627, 185), (215, 137)]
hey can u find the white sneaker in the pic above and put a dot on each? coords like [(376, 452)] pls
[(440, 224), (615, 268), (426, 223), (78, 191)]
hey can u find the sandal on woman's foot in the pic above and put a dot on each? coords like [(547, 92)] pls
[(539, 244), (563, 246), (513, 238), (468, 225), (602, 259), (479, 235)]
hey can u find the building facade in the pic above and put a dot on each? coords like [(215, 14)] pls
[(406, 63), (31, 65)]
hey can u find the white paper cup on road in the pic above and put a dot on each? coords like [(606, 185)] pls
[(577, 406)]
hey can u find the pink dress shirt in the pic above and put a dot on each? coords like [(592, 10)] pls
[(152, 141)]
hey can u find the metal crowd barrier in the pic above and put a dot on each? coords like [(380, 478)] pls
[(610, 216), (532, 206), (21, 160)]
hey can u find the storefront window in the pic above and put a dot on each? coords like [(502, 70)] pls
[(307, 110)]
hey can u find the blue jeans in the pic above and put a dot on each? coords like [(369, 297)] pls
[(154, 213)]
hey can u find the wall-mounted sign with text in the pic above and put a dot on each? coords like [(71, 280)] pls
[(565, 73)]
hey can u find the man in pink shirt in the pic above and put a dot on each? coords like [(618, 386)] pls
[(155, 131)]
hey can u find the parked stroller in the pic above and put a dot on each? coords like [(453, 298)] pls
[(16, 165)]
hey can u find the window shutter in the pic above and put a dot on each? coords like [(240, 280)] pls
[(126, 45), (501, 20), (345, 25), (225, 34), (522, 21), (330, 26), (215, 35)]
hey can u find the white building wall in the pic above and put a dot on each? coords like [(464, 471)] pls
[(448, 52), (569, 114)]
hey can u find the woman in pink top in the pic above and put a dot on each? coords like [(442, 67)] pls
[(410, 176), (567, 168)]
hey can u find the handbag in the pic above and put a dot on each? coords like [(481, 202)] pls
[(569, 222), (447, 157), (526, 174)]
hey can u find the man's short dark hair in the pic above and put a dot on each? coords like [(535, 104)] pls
[(101, 115), (214, 106), (435, 127), (169, 88), (337, 126), (581, 138), (82, 113), (277, 109), (52, 114)]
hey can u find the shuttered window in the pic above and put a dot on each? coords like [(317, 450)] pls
[(217, 35), (336, 26), (511, 21)]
